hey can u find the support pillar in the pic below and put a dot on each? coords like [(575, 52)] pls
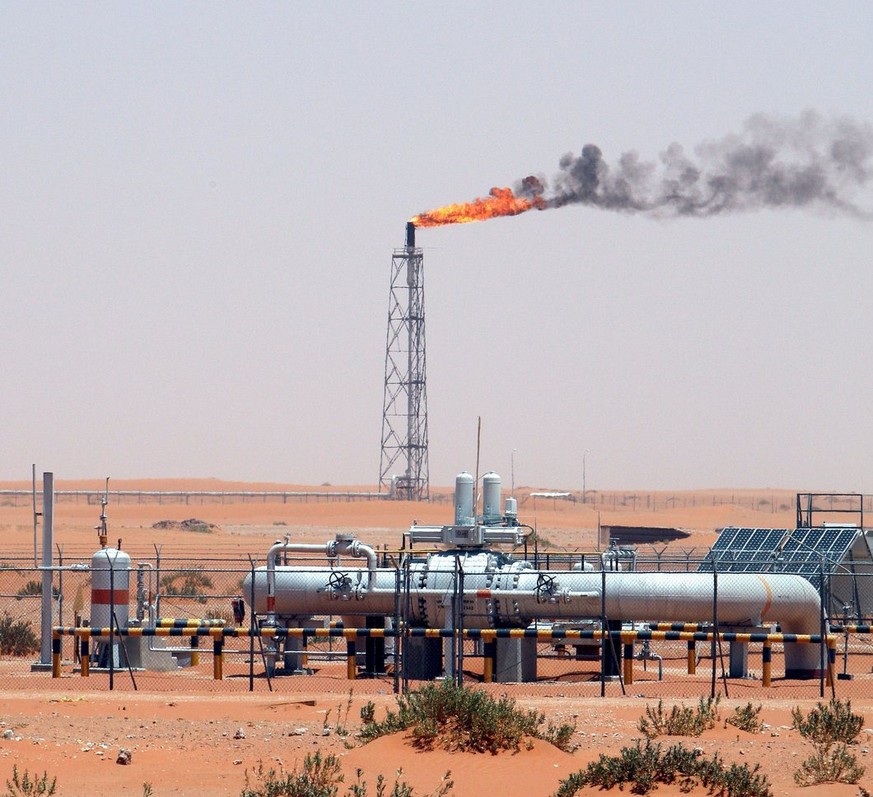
[(611, 652), (516, 660), (374, 647), (738, 659), (766, 664), (422, 658)]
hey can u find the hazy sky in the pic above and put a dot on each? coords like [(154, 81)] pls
[(199, 203)]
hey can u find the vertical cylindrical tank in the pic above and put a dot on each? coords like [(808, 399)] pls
[(110, 587), (464, 512), (510, 508), (491, 498)]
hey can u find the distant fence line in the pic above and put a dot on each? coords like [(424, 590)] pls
[(24, 497), (597, 500)]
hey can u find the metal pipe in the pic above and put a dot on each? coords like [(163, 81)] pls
[(332, 549), (514, 595), (744, 599)]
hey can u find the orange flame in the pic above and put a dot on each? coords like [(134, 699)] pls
[(499, 202)]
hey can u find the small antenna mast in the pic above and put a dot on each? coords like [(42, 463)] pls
[(102, 531), (36, 515)]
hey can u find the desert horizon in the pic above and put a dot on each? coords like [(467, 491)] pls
[(311, 511)]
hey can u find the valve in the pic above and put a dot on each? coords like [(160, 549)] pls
[(339, 585), (546, 588)]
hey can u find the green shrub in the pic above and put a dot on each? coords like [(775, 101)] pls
[(459, 718), (23, 785), (831, 728), (832, 764), (746, 718), (17, 637), (34, 588), (645, 766), (186, 584), (828, 723), (321, 777), (681, 721)]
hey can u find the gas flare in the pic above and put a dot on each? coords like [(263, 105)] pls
[(499, 202), (805, 162)]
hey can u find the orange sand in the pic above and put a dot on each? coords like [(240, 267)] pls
[(185, 743)]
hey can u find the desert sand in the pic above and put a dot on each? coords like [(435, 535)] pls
[(198, 741)]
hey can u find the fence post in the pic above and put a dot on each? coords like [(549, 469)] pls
[(714, 642), (604, 632), (823, 654), (252, 622), (407, 609), (111, 623), (459, 630), (396, 643), (61, 589)]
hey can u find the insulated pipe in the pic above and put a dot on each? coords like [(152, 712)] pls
[(501, 594), (743, 599), (332, 549)]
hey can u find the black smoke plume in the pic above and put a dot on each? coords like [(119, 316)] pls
[(805, 162)]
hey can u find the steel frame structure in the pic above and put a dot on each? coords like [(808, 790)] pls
[(404, 460)]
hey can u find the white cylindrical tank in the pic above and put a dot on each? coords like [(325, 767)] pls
[(465, 515), (490, 497), (110, 587), (510, 507)]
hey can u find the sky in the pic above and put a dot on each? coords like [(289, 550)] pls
[(199, 203)]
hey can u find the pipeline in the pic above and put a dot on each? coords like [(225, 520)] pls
[(343, 544), (500, 592)]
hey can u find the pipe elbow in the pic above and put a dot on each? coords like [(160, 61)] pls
[(795, 603)]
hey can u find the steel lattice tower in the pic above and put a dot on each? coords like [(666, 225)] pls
[(404, 461)]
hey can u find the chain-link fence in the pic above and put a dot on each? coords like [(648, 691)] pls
[(611, 624)]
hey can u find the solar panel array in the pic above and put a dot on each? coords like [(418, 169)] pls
[(803, 551), (796, 551), (739, 550)]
